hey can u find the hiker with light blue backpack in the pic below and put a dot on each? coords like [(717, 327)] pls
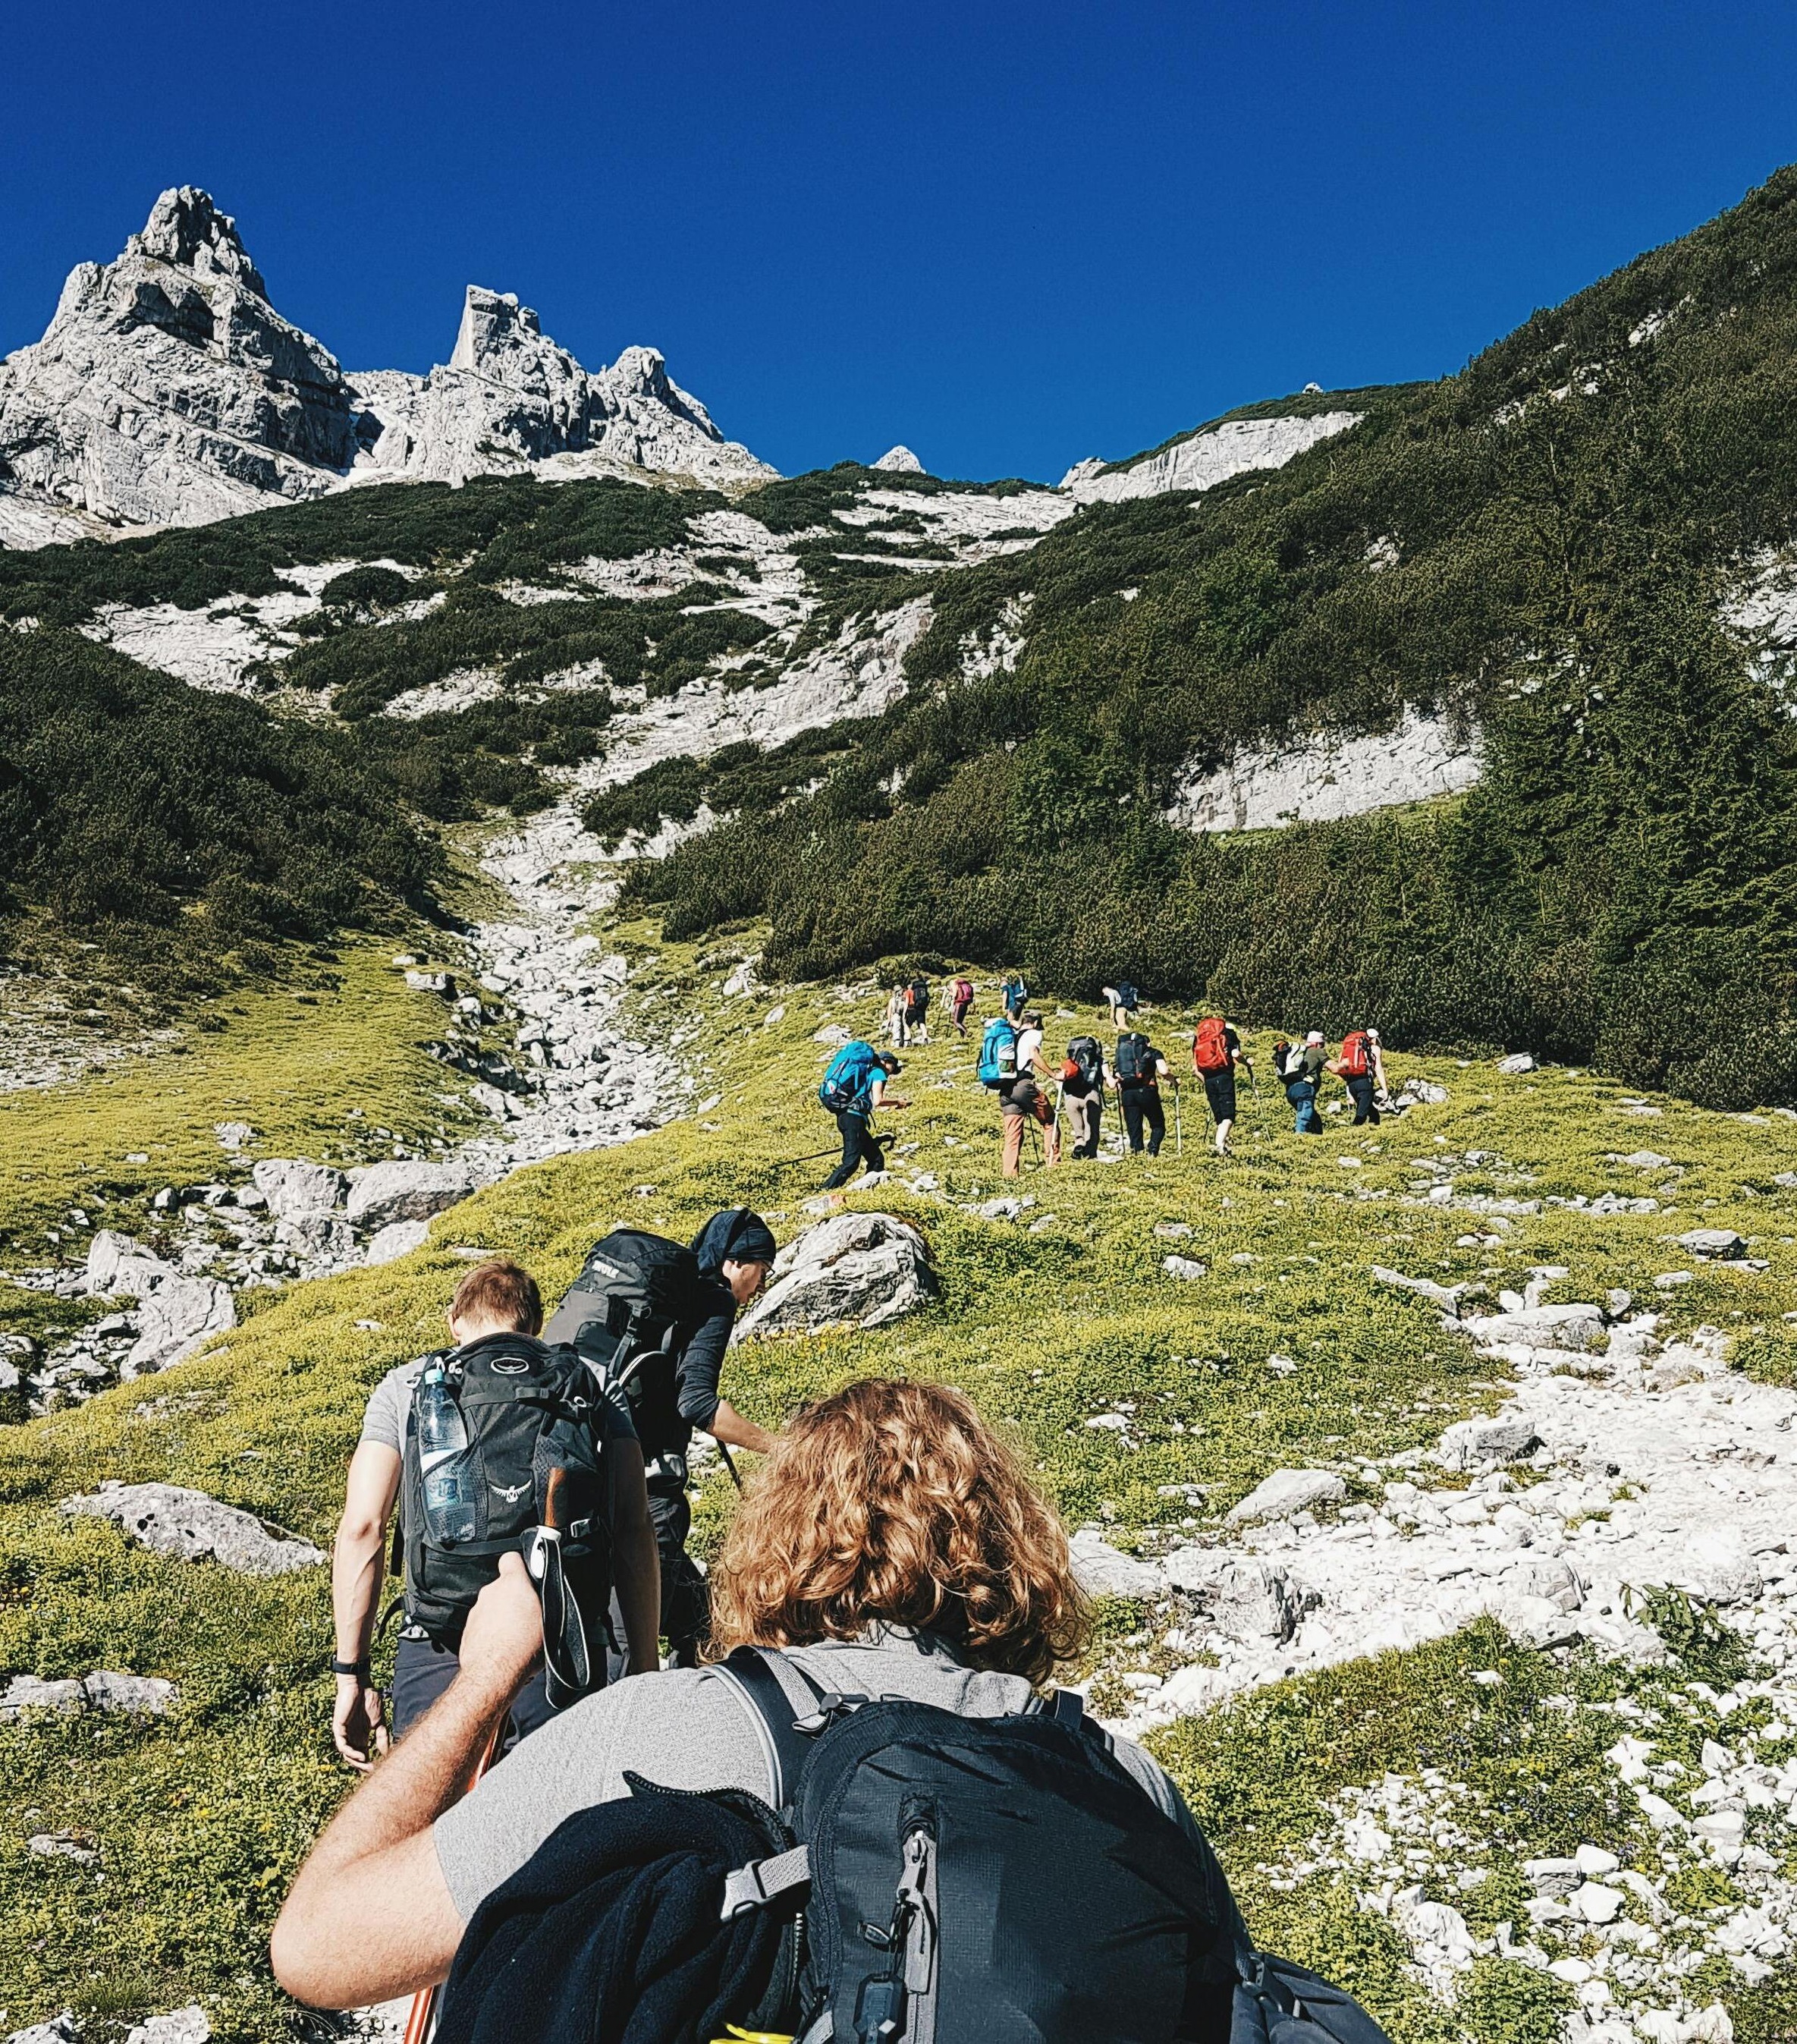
[(855, 1085)]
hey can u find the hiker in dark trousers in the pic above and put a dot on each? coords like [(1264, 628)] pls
[(893, 1546), (1139, 1069), (734, 1251), (963, 1001), (1082, 1093), (1016, 994), (1358, 1066), (1303, 1077), (865, 1086), (495, 1302), (1216, 1051)]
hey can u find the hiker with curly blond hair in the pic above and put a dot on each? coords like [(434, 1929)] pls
[(891, 1545)]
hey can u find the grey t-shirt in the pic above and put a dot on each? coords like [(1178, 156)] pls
[(688, 1728)]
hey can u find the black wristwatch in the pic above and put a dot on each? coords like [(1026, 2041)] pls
[(359, 1669)]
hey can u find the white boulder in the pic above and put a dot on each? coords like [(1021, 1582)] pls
[(1471, 1444), (1513, 1067), (191, 1527), (1287, 1491), (180, 2025), (868, 1268), (407, 1189), (293, 1186), (1713, 1241), (175, 1319), (398, 1238), (105, 1689), (1246, 1600), (1542, 1326), (1103, 1570), (119, 1266)]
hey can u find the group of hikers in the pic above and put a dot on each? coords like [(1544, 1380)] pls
[(1034, 1091), (820, 1794)]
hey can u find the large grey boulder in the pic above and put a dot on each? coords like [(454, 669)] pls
[(868, 1268), (293, 1186), (1513, 1067), (398, 1238), (191, 1527), (105, 1689), (119, 1266), (1103, 1570), (1287, 1491), (176, 1319), (1542, 1326), (1476, 1444), (407, 1189), (61, 2029), (1244, 1599), (327, 1237)]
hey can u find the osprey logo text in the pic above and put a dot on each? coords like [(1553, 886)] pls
[(512, 1496)]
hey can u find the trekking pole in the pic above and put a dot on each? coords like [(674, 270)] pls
[(1179, 1124), (816, 1157), (729, 1462)]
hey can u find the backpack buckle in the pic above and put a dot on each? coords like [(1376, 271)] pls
[(762, 1881), (831, 1704)]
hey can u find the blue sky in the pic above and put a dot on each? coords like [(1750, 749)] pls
[(1008, 235)]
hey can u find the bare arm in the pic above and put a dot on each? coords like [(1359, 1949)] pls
[(637, 1566), (355, 1586), (371, 1916), (729, 1426)]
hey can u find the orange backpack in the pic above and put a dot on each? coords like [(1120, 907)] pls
[(1210, 1047), (1356, 1060)]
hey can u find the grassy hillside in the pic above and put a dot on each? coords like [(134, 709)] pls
[(199, 1819), (1540, 546)]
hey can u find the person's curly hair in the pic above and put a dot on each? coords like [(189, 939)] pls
[(894, 1503)]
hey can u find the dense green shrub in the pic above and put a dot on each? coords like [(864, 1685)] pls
[(176, 828)]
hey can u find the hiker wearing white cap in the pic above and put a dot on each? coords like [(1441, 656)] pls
[(1303, 1074)]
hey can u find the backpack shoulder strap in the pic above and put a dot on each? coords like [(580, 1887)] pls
[(759, 1678)]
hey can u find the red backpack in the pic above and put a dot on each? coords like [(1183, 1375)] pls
[(1356, 1060), (1210, 1047), (963, 992)]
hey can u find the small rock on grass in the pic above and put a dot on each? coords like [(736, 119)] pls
[(1286, 1492), (1185, 1268), (1713, 1241), (180, 2025)]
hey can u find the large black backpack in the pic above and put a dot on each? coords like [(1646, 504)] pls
[(982, 1880), (623, 1310), (530, 1411), (1085, 1052), (1134, 1054)]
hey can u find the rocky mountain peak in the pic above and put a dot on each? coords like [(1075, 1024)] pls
[(187, 228), (900, 461)]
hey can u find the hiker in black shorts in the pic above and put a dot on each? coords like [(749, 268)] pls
[(1139, 1070), (1216, 1051)]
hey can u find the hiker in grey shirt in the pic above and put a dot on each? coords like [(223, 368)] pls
[(966, 1605)]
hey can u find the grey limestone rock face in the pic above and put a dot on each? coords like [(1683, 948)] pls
[(167, 390), (406, 1189), (61, 2029), (119, 1266), (868, 1268), (192, 1526), (1286, 1492), (293, 1186), (1103, 1570), (325, 1237)]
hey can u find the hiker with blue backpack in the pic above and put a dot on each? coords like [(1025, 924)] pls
[(1015, 996), (853, 1087), (1124, 1001), (868, 1823)]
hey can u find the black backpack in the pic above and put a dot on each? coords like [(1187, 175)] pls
[(1000, 1880), (981, 1880), (917, 997), (530, 1411), (1134, 1058), (623, 1310), (1127, 996), (1085, 1052)]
